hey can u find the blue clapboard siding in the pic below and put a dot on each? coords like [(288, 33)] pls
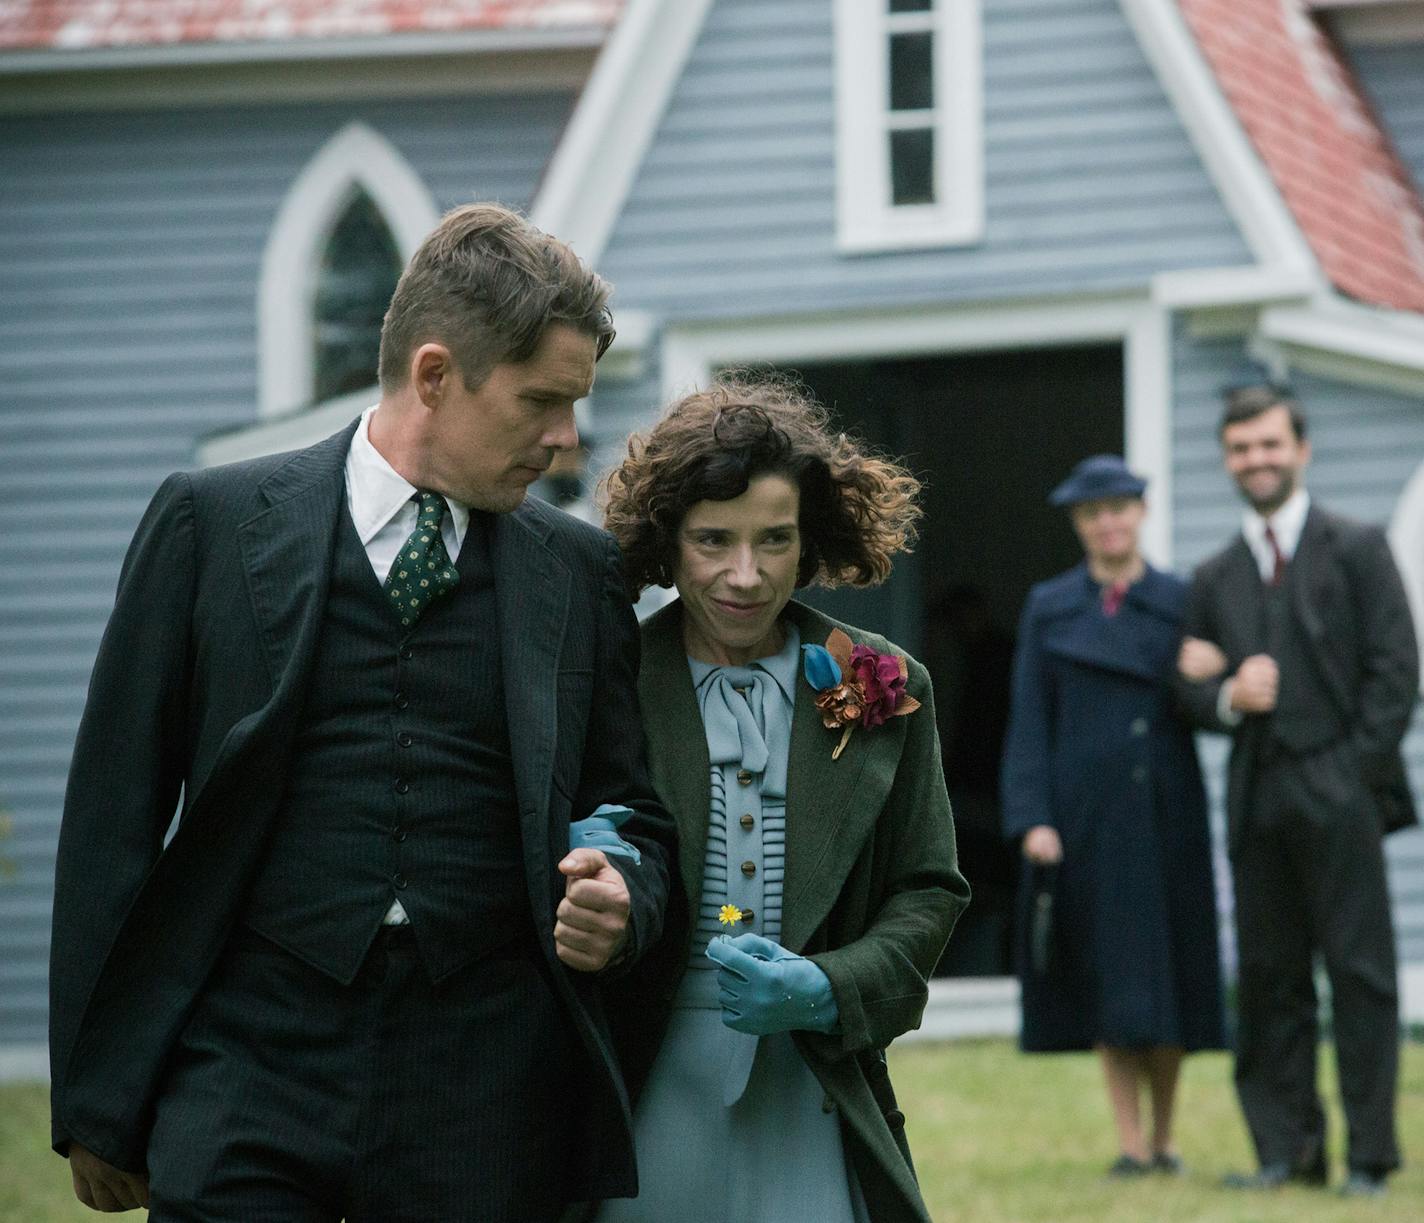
[(1091, 181), (1394, 80), (130, 248), (1366, 445)]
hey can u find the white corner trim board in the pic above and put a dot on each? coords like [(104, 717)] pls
[(356, 158), (1245, 186), (593, 168)]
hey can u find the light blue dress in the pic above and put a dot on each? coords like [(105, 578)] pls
[(734, 1128)]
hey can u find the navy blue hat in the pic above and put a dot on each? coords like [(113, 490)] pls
[(1101, 475)]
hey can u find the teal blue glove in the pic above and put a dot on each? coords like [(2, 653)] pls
[(764, 988), (600, 831)]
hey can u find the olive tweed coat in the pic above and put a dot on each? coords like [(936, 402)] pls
[(872, 889)]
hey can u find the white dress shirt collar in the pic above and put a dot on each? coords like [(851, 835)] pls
[(376, 492), (1287, 523)]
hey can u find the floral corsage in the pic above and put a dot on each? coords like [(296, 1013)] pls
[(856, 685)]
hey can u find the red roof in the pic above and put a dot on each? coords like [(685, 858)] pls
[(57, 25), (1322, 143)]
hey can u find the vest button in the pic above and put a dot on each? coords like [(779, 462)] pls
[(398, 833), (407, 653), (399, 881), (402, 786), (404, 739), (744, 777), (402, 701), (748, 821), (749, 869)]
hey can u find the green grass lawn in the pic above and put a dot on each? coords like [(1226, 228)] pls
[(998, 1138)]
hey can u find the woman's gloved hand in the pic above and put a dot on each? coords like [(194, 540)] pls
[(764, 988), (600, 831)]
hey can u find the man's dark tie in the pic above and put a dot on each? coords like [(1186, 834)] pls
[(1278, 571), (422, 571)]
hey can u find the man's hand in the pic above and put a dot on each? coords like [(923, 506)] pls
[(1255, 684), (1199, 660), (593, 915), (1042, 845), (102, 1186)]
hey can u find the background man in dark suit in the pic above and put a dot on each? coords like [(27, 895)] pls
[(359, 979), (1299, 644)]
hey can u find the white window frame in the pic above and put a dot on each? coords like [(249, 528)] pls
[(357, 158), (866, 220)]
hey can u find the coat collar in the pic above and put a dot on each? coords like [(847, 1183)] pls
[(831, 806), (1072, 626), (287, 551)]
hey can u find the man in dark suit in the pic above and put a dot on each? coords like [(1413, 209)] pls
[(1299, 644), (361, 978)]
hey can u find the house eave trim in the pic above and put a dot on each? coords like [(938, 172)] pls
[(424, 44)]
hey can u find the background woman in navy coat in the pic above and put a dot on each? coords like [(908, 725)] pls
[(1118, 937)]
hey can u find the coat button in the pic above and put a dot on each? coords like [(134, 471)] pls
[(402, 701), (398, 833), (895, 1119), (402, 786), (827, 1104), (1139, 774), (399, 881), (748, 821), (749, 869), (1139, 727), (407, 653), (404, 739), (743, 777)]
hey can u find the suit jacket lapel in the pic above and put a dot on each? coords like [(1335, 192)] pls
[(677, 743), (831, 805), (1242, 604), (532, 597), (287, 551)]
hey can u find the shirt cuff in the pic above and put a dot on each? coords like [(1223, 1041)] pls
[(1232, 717)]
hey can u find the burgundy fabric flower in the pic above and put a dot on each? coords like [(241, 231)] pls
[(881, 679)]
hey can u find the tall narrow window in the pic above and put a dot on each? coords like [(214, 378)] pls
[(359, 270), (909, 130)]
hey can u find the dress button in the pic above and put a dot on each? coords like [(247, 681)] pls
[(1139, 727), (402, 701), (748, 821), (402, 786), (403, 739), (749, 869), (398, 833), (398, 881), (1139, 774), (744, 777)]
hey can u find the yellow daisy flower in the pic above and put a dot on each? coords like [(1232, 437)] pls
[(729, 915)]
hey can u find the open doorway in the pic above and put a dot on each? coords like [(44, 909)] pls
[(989, 434)]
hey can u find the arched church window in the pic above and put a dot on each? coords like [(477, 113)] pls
[(358, 273)]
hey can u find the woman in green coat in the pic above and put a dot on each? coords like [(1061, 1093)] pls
[(800, 760)]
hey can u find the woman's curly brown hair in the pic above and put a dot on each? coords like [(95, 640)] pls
[(857, 508)]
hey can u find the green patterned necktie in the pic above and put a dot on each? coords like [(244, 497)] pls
[(422, 571)]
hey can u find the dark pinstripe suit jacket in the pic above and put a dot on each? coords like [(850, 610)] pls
[(196, 690)]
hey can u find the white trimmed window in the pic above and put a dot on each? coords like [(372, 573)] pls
[(351, 220), (909, 126)]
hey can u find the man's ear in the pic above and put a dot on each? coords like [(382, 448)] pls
[(431, 369)]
